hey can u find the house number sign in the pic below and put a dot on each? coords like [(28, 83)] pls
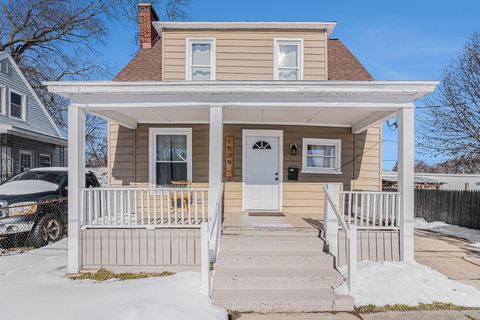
[(229, 157)]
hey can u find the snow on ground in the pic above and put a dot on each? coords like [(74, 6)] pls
[(34, 286), (410, 283), (449, 230)]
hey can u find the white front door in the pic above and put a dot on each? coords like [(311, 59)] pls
[(262, 170)]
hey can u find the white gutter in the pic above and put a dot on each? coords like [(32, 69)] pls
[(231, 25), (414, 89)]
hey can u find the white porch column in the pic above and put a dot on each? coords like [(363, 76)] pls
[(406, 156), (330, 219), (215, 156), (76, 181)]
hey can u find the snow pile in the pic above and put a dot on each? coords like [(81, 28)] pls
[(410, 283), (33, 286), (26, 187), (448, 229)]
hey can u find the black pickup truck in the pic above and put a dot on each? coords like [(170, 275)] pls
[(34, 204)]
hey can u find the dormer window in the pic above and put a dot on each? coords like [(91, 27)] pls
[(200, 59), (288, 59)]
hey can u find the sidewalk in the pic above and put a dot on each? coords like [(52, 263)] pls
[(406, 315)]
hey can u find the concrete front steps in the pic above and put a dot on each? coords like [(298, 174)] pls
[(260, 270)]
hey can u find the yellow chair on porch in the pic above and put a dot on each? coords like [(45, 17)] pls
[(181, 200)]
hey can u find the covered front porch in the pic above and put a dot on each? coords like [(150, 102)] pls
[(225, 126)]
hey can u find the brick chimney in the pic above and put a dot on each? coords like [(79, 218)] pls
[(148, 33)]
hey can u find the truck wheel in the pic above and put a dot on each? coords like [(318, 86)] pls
[(48, 229)]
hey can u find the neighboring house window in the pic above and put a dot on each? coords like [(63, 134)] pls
[(288, 59), (321, 155), (26, 161), (17, 105), (3, 99), (4, 67), (200, 59), (170, 155), (44, 160)]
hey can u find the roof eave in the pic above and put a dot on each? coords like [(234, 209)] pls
[(227, 25)]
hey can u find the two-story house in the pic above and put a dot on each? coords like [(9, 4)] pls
[(29, 138), (231, 146)]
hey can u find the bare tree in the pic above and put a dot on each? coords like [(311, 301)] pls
[(452, 127), (54, 40)]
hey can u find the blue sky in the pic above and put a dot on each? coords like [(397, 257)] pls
[(395, 40)]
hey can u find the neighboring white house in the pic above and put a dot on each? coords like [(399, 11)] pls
[(29, 138), (444, 181)]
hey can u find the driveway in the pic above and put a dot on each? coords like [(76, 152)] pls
[(453, 257)]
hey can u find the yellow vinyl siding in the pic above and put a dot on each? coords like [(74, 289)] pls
[(244, 55), (302, 199)]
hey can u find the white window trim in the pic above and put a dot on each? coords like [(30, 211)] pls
[(153, 133), (188, 57), (25, 152), (24, 105), (295, 41), (45, 155), (337, 143), (7, 66), (3, 100)]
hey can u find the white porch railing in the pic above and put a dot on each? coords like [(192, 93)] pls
[(137, 207), (359, 210), (371, 210), (210, 241), (331, 205)]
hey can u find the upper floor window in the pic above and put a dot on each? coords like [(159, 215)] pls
[(288, 59), (200, 59), (17, 105)]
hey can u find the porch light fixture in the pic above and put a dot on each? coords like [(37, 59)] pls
[(293, 149)]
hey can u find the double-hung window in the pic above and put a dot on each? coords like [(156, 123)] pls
[(200, 59), (170, 155), (17, 105), (321, 156), (288, 59)]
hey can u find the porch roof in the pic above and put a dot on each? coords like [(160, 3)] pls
[(355, 104)]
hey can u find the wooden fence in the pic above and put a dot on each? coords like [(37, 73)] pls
[(454, 207)]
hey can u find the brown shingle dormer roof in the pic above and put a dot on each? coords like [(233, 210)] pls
[(147, 64), (342, 64)]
